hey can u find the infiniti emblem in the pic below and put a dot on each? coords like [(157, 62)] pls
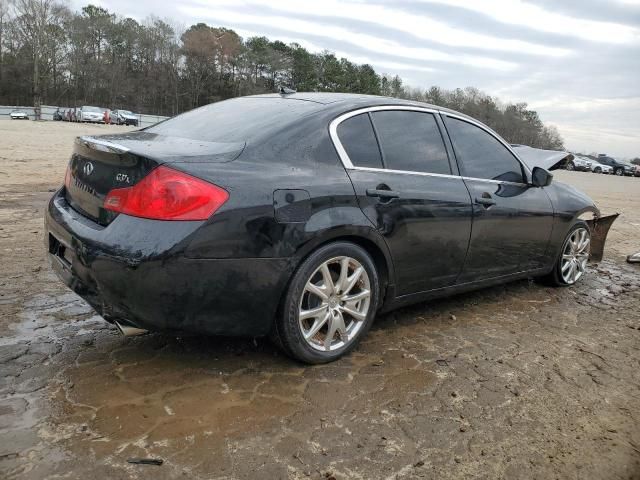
[(88, 168)]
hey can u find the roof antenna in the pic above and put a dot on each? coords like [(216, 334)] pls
[(286, 90)]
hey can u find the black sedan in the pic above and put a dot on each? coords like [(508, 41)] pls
[(301, 216)]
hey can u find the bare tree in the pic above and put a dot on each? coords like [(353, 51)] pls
[(4, 18), (35, 19)]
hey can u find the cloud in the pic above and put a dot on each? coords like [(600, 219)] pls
[(517, 12)]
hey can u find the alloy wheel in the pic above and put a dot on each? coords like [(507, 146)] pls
[(575, 255), (334, 303)]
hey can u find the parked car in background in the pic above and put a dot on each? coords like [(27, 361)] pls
[(197, 224), (619, 168), (18, 115), (124, 117), (636, 171), (597, 167), (91, 114), (581, 164)]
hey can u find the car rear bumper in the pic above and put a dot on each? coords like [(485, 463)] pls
[(133, 271)]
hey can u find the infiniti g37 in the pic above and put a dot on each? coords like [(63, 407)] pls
[(302, 216)]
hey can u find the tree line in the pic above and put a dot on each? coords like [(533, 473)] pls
[(52, 55)]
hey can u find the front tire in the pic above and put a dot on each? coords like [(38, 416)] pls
[(619, 172), (574, 255), (570, 166), (597, 170), (330, 304)]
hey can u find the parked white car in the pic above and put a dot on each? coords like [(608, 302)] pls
[(19, 115), (124, 117), (582, 164), (91, 114), (597, 167)]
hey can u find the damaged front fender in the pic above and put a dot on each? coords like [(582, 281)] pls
[(599, 227)]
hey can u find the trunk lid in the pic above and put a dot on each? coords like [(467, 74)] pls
[(100, 164)]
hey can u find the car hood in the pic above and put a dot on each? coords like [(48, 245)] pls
[(537, 157)]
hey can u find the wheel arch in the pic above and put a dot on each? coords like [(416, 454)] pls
[(366, 238)]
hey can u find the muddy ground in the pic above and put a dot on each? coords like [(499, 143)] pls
[(518, 381)]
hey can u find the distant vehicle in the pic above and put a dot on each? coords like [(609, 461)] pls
[(597, 167), (579, 163), (124, 117), (19, 115), (91, 114), (619, 168), (636, 171), (57, 115)]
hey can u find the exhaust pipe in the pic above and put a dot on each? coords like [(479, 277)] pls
[(129, 331)]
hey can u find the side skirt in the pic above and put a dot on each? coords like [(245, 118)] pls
[(405, 300)]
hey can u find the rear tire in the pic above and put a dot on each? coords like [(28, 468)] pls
[(597, 170), (619, 172), (330, 304), (571, 263), (571, 166)]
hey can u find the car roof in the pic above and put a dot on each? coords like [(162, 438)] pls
[(348, 100)]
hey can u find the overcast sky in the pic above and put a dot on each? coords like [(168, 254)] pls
[(577, 62)]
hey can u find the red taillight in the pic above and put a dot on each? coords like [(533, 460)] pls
[(167, 194)]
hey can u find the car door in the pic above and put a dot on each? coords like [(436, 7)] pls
[(512, 220), (403, 178)]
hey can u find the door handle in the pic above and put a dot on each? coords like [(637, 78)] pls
[(485, 200), (374, 192)]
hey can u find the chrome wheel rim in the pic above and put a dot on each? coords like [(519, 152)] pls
[(334, 304), (575, 255)]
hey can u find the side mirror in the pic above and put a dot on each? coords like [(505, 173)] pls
[(540, 177)]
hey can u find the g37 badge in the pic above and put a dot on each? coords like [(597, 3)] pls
[(123, 177)]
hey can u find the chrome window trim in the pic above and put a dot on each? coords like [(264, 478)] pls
[(403, 172), (346, 161), (333, 127), (426, 174)]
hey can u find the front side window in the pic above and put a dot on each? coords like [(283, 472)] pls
[(481, 154), (357, 138), (411, 141)]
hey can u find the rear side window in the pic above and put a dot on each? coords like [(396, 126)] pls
[(411, 141), (357, 137), (481, 154)]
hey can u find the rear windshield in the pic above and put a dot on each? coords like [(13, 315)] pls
[(236, 120)]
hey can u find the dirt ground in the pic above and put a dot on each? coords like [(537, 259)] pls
[(518, 381)]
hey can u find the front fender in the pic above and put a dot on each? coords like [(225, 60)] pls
[(569, 205)]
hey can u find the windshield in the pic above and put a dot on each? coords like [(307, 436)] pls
[(92, 109), (236, 120)]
